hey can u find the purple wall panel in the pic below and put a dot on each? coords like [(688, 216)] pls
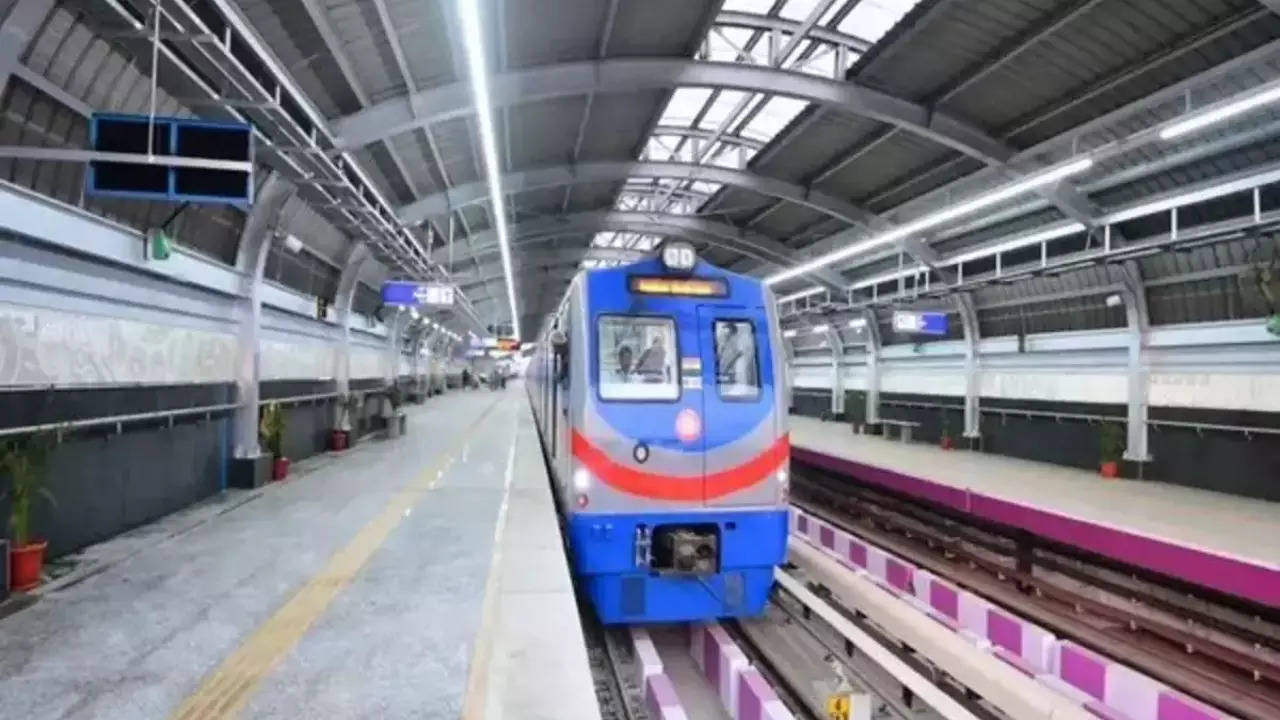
[(1083, 671), (944, 599), (1004, 632)]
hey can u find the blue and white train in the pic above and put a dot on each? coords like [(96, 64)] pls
[(659, 396)]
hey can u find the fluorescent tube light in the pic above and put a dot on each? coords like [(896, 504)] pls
[(473, 41), (933, 220), (820, 328), (788, 333), (1221, 112), (800, 295), (858, 323)]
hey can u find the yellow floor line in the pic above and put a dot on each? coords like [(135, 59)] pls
[(473, 702), (224, 692)]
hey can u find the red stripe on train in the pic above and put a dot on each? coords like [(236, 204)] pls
[(678, 488)]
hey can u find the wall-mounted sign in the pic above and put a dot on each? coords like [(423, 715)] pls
[(920, 323), (412, 294)]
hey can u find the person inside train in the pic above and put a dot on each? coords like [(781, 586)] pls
[(653, 361), (624, 362)]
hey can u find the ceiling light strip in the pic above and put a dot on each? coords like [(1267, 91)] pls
[(1215, 114), (473, 41), (933, 220)]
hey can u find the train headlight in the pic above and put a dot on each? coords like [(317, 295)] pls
[(784, 483), (688, 425), (581, 480), (678, 256)]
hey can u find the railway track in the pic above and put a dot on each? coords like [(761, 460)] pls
[(1217, 653)]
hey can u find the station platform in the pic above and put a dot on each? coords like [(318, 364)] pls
[(1214, 540), (420, 577)]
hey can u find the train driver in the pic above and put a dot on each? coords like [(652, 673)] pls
[(653, 361)]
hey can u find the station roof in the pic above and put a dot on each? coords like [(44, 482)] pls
[(767, 131)]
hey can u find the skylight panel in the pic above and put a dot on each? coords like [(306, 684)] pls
[(871, 19), (798, 10), (774, 116), (684, 106), (602, 239), (720, 109), (723, 43), (760, 7), (706, 188)]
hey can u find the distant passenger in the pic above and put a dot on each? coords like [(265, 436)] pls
[(624, 362), (653, 361)]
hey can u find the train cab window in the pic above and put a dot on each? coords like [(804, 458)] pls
[(737, 369), (638, 358)]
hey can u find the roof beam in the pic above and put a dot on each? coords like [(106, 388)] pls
[(443, 202), (397, 115), (792, 27), (754, 245), (16, 32)]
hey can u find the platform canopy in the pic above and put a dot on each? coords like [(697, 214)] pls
[(768, 132)]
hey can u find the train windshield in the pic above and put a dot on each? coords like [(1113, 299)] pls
[(737, 369), (637, 358)]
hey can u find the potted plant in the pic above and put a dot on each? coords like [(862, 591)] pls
[(340, 438), (1110, 449), (272, 430), (945, 441), (22, 460)]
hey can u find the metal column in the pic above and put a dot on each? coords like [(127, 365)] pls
[(873, 366), (972, 410), (1137, 325), (837, 378), (251, 260)]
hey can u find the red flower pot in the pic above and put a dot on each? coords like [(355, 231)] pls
[(947, 443), (338, 440), (1109, 469), (25, 564), (280, 468)]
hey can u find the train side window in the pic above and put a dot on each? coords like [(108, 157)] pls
[(737, 365), (637, 358)]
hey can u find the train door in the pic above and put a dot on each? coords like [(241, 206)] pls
[(737, 406)]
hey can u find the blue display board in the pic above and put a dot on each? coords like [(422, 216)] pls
[(181, 137), (920, 323), (413, 294)]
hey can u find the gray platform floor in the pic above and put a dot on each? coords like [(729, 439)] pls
[(369, 587)]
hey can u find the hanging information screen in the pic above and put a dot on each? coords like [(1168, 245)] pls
[(413, 294), (920, 323), (180, 137)]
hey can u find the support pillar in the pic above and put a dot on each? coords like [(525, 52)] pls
[(972, 409), (251, 259), (17, 32), (357, 257), (837, 374), (1137, 322), (873, 366)]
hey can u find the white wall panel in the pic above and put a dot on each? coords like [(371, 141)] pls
[(40, 346), (295, 360)]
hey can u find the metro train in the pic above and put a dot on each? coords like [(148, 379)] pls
[(658, 392)]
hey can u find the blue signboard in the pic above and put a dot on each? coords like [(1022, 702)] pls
[(400, 293), (920, 323), (181, 137), (412, 294)]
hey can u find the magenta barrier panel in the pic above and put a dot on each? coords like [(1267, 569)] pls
[(827, 537), (1082, 669), (1004, 631), (660, 698), (756, 700), (1172, 706), (898, 574)]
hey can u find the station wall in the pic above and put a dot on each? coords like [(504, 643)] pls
[(90, 329), (1224, 374)]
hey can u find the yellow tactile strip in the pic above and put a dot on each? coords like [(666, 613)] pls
[(225, 691)]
